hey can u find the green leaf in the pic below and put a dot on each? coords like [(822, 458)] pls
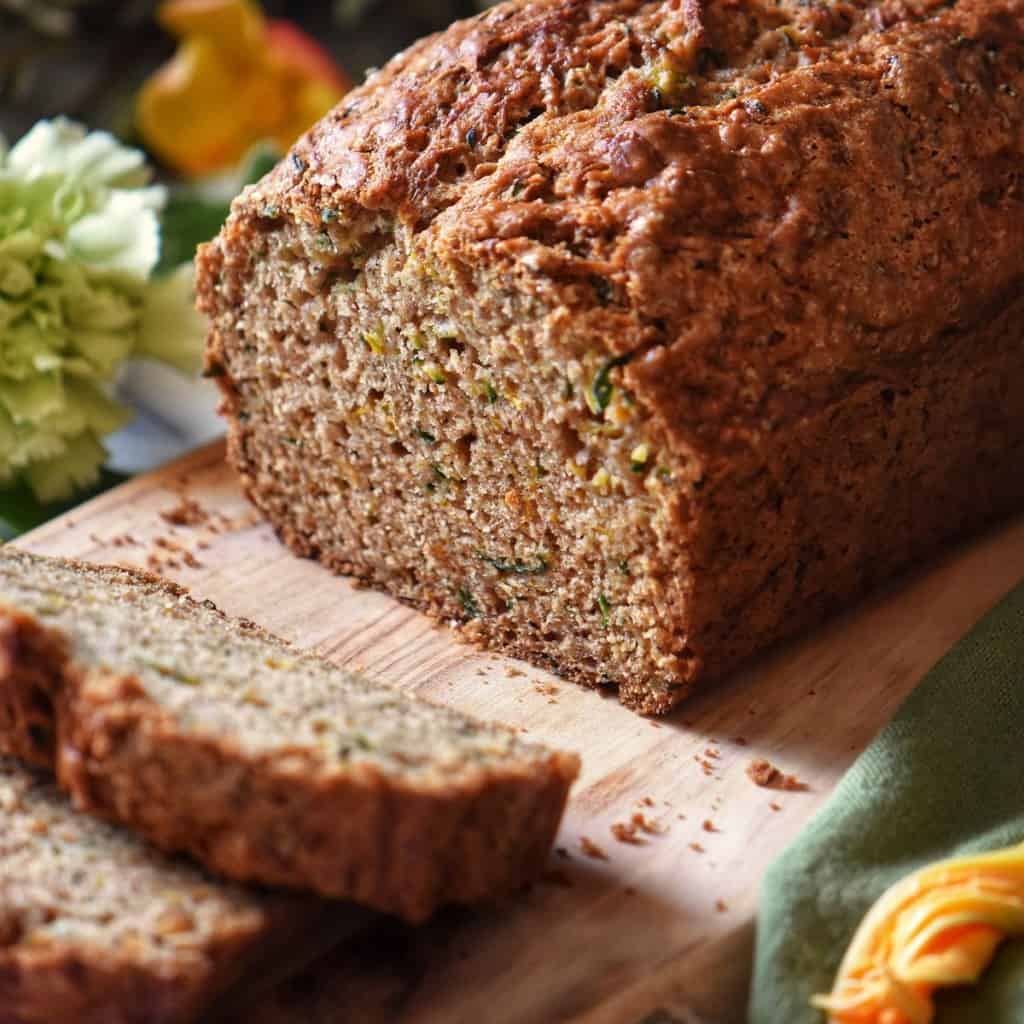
[(188, 221), (195, 213), (260, 160)]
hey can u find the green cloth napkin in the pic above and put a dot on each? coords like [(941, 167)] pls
[(945, 777)]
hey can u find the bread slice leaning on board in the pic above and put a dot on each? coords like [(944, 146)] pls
[(210, 737), (98, 927), (638, 335)]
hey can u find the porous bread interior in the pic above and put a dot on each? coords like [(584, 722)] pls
[(70, 881), (464, 446), (219, 679)]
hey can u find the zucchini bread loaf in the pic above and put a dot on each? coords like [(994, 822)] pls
[(640, 334), (210, 737), (96, 927)]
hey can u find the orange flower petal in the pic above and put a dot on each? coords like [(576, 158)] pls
[(187, 113), (236, 80), (234, 26)]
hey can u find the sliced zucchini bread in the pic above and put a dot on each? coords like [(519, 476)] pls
[(209, 736), (97, 927)]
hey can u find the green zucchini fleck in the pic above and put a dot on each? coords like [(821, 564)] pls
[(375, 341), (638, 458), (468, 602), (423, 435), (172, 673), (518, 568), (669, 84), (357, 742), (605, 607), (601, 388)]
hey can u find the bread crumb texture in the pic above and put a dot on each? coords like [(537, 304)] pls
[(638, 335)]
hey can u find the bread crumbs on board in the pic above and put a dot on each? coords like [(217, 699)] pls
[(626, 832), (187, 512), (763, 773), (638, 826), (591, 849), (545, 690)]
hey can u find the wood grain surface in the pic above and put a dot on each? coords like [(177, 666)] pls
[(655, 930)]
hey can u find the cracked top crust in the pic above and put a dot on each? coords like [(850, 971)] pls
[(747, 195)]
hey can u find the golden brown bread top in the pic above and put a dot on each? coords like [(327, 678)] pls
[(768, 202)]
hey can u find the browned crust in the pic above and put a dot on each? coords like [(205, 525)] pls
[(396, 846), (819, 279)]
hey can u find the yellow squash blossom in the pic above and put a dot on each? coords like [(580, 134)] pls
[(237, 79), (936, 928)]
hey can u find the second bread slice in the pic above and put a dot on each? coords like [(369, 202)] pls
[(211, 737)]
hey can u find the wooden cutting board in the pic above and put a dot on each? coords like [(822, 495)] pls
[(655, 930)]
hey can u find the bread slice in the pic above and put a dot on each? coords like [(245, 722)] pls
[(97, 927), (638, 335), (209, 736)]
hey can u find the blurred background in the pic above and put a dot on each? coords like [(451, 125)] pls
[(87, 58)]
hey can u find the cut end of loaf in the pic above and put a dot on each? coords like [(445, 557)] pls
[(454, 440)]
